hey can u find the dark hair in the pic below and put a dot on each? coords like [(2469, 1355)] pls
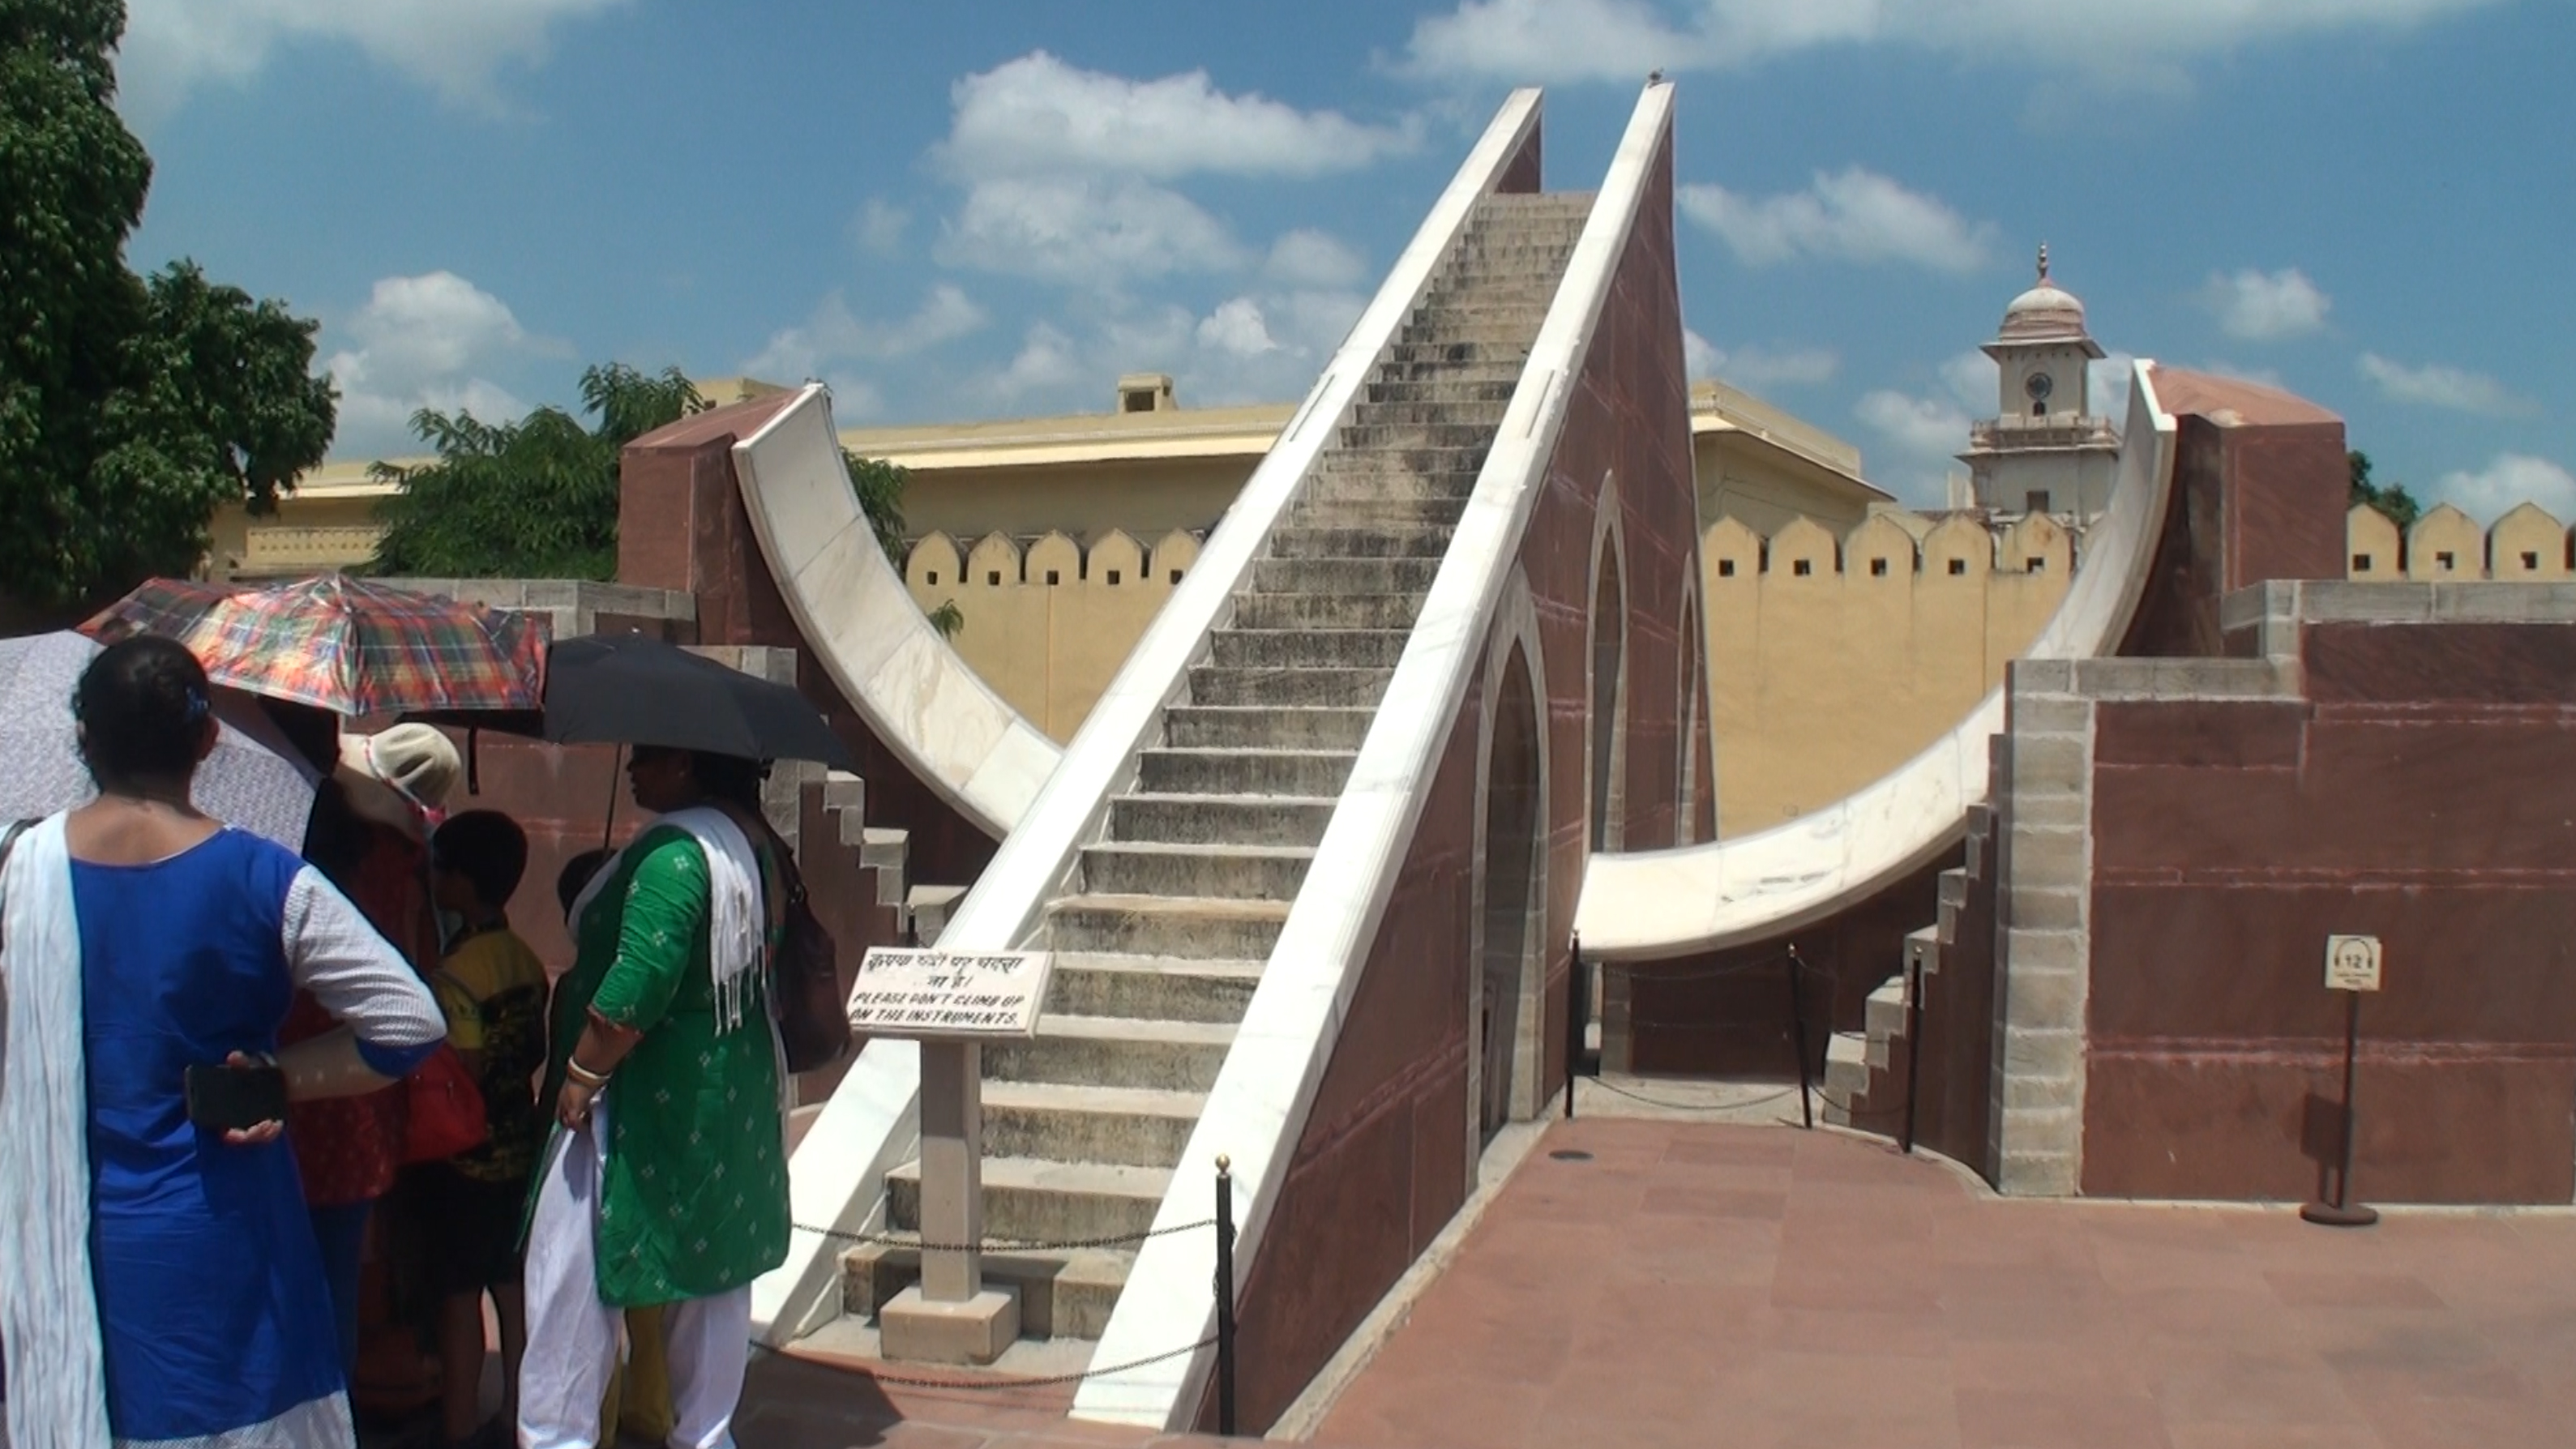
[(576, 877), (487, 848), (143, 705), (729, 778)]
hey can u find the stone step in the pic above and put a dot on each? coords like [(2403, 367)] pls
[(1883, 1015), (1448, 393), (1038, 1201), (1344, 541), (1233, 872), (1453, 289), (1846, 1066), (1344, 575), (1150, 988), (1416, 437), (1065, 1294), (1391, 486), (1420, 412), (1421, 370), (1307, 649), (1305, 773), (1500, 326), (1127, 1126), (1325, 611), (1108, 1051), (1436, 514), (1166, 925), (1333, 688), (1489, 353), (1219, 819), (1239, 727)]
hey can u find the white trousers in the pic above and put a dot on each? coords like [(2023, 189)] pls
[(573, 1337)]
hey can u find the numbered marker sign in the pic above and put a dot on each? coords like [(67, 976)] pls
[(949, 994), (2352, 963)]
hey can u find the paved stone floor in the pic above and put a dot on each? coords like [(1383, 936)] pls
[(1696, 1284)]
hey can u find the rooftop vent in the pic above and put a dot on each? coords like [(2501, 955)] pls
[(1146, 392)]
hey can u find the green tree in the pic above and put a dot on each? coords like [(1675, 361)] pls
[(2391, 499), (880, 487), (536, 498), (128, 409)]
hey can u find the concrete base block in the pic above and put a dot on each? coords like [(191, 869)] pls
[(973, 1332)]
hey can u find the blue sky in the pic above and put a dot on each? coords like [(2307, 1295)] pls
[(977, 210)]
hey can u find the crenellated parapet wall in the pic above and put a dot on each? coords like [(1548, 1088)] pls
[(2526, 545), (1047, 621)]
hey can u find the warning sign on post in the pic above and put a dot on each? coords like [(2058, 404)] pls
[(934, 994), (2352, 963)]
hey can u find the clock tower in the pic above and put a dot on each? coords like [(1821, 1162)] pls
[(2043, 451)]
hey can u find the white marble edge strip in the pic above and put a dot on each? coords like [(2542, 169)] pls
[(1257, 1109), (873, 1119), (1656, 904), (769, 462)]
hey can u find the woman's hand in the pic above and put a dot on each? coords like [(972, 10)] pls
[(255, 1136), (572, 1105)]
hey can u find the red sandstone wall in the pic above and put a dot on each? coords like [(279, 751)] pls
[(2420, 793), (682, 525)]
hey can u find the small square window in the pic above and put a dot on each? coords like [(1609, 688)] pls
[(994, 579), (1878, 568), (1726, 568), (1053, 576), (1958, 566), (2445, 560), (934, 578), (2035, 564), (2361, 563), (2530, 561), (1802, 568), (1113, 576), (2035, 501), (1176, 576)]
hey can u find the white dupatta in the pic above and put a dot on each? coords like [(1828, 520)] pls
[(48, 1300), (735, 924)]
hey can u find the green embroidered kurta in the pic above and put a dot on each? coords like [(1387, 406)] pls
[(694, 1201)]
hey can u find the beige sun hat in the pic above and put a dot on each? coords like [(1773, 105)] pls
[(415, 759)]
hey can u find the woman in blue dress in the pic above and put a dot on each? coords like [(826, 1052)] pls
[(159, 1279)]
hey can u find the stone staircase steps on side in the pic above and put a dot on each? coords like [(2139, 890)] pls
[(1219, 820), (1111, 1051), (1044, 1201), (1217, 726), (1090, 984), (1237, 872)]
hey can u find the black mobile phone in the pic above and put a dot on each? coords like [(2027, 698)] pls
[(224, 1099)]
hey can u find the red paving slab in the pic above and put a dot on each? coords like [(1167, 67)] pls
[(1694, 1284)]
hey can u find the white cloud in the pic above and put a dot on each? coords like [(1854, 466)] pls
[(1089, 231), (456, 47), (2440, 386), (835, 334), (1260, 346), (1037, 116), (1924, 434), (426, 342), (1558, 40), (1755, 368), (880, 225), (1971, 380), (2111, 375), (2267, 306), (1528, 41), (2511, 479), (1237, 327), (1045, 362), (1309, 258), (1852, 215)]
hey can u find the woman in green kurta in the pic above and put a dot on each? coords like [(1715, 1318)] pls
[(668, 1182)]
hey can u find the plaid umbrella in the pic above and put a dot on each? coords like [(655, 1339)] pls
[(168, 607), (347, 645)]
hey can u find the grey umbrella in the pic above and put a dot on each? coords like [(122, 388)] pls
[(254, 780)]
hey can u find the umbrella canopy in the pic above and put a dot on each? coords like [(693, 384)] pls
[(632, 689), (346, 645), (254, 780)]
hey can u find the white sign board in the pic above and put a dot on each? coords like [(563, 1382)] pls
[(934, 993), (2352, 963)]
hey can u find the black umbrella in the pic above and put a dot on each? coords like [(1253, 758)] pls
[(633, 689)]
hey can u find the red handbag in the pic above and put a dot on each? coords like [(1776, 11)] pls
[(446, 1109)]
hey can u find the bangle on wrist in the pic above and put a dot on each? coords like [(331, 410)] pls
[(584, 1075)]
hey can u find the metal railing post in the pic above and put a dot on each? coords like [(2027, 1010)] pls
[(1798, 1029), (1225, 1295)]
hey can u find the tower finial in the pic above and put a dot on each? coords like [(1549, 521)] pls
[(2043, 263)]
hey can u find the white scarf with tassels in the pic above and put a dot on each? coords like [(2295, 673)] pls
[(48, 1300), (736, 941)]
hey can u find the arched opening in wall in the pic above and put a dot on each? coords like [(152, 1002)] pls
[(1609, 705), (1513, 967)]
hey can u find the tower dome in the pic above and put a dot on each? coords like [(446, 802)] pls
[(2045, 313)]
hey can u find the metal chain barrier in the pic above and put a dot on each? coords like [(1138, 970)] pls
[(1001, 1245), (1002, 1382)]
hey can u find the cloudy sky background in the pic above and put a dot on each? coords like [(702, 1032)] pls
[(979, 210)]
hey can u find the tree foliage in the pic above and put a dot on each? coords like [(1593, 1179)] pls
[(129, 407), (2391, 498), (536, 498)]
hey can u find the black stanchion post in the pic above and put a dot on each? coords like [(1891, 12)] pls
[(1225, 1295), (1577, 1001), (2340, 1211), (1913, 1044), (1798, 1030)]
